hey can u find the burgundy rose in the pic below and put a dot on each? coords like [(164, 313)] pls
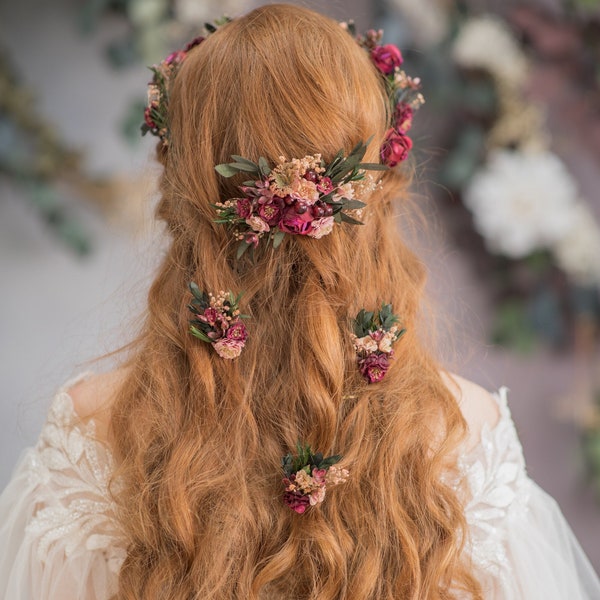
[(403, 116), (395, 148), (148, 117), (209, 316), (386, 58), (271, 213), (292, 222), (296, 501), (325, 185), (374, 367), (244, 208), (195, 42), (237, 331)]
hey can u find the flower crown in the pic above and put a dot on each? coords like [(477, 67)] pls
[(403, 91), (302, 196)]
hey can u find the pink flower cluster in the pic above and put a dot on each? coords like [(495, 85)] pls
[(374, 352), (289, 199), (304, 488), (220, 324)]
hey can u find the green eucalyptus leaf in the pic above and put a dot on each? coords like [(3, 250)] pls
[(264, 167), (278, 238), (226, 170), (241, 249), (200, 334), (348, 219)]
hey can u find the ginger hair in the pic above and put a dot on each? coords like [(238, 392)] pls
[(199, 439)]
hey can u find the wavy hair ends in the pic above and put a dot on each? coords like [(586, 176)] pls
[(200, 439)]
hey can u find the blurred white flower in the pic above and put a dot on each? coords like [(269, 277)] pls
[(198, 12), (487, 43), (427, 19), (521, 202), (578, 252)]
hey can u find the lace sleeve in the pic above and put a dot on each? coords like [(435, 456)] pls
[(520, 544), (58, 533)]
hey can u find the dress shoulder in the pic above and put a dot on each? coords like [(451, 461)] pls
[(58, 530), (519, 542)]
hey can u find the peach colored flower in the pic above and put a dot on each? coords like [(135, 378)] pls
[(336, 475), (257, 224)]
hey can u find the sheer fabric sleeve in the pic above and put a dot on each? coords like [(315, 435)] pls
[(58, 533), (521, 545)]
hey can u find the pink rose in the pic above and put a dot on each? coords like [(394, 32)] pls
[(319, 475), (292, 222), (403, 116), (175, 57), (243, 208), (374, 367), (395, 148), (237, 331), (271, 213), (227, 348), (321, 227), (387, 58), (251, 239)]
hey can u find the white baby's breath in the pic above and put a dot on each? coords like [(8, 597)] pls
[(522, 202)]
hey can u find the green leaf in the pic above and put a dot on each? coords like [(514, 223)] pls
[(264, 167), (240, 159), (353, 204), (348, 219), (373, 167), (200, 334), (241, 249), (247, 168), (278, 238), (226, 170)]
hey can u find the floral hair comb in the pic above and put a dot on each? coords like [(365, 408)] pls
[(302, 196), (374, 335), (307, 476), (403, 92), (217, 321)]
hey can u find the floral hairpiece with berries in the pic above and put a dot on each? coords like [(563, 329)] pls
[(156, 111), (217, 321), (403, 92), (307, 476), (301, 196), (373, 338)]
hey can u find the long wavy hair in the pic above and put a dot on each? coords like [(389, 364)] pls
[(199, 439)]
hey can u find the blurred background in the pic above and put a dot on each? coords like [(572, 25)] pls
[(507, 153)]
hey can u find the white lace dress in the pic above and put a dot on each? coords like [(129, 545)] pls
[(59, 539)]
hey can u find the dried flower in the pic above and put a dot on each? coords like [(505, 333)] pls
[(306, 477), (217, 321)]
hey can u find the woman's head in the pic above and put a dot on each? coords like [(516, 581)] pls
[(200, 439)]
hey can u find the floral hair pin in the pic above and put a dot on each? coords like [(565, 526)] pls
[(374, 335), (217, 321), (403, 91), (302, 196), (307, 476), (155, 114)]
